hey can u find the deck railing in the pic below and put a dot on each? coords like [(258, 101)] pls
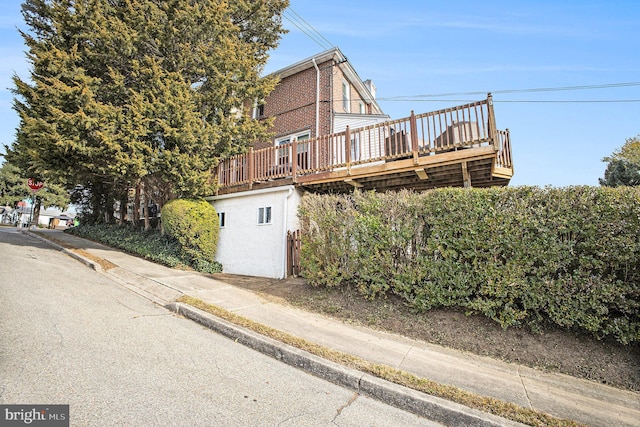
[(503, 158), (465, 126)]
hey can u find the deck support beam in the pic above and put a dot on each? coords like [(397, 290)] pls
[(356, 184), (422, 174), (466, 178)]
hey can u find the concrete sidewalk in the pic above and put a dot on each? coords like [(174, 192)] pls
[(559, 395)]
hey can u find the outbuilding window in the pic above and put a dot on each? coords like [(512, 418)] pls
[(264, 215)]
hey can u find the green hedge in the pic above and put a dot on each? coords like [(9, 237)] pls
[(195, 224), (520, 256)]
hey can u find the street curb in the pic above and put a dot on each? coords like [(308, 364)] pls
[(430, 407), (112, 273), (72, 254)]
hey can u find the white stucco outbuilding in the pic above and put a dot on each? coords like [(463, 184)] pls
[(253, 230)]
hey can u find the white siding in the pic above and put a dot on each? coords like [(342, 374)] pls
[(370, 142), (341, 121), (248, 248)]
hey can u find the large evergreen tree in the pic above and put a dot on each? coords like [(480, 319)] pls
[(124, 92)]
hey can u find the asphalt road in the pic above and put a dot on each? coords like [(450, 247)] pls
[(71, 336)]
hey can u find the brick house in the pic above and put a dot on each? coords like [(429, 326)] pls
[(317, 96), (330, 135)]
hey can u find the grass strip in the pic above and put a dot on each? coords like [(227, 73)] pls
[(105, 264), (487, 404)]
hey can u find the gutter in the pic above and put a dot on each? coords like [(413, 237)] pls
[(313, 60)]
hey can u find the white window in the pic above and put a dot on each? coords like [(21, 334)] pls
[(301, 136), (283, 162), (346, 97), (303, 150), (258, 111), (222, 218), (264, 215), (362, 110)]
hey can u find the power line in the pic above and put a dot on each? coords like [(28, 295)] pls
[(522, 101), (586, 101), (312, 28), (297, 20), (306, 31), (583, 87), (543, 89)]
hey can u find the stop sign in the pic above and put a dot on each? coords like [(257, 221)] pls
[(33, 185)]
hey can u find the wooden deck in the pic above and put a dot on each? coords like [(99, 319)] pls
[(458, 146)]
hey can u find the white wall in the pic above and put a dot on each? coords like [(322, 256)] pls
[(355, 121), (244, 246)]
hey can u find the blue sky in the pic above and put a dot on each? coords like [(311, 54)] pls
[(414, 49)]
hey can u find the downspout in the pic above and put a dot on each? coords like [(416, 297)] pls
[(317, 96), (284, 233)]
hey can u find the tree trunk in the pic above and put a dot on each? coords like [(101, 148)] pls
[(36, 210), (160, 205), (123, 208), (108, 209), (136, 206), (147, 222)]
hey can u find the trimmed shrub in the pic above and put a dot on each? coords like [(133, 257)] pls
[(194, 223), (520, 256), (328, 254)]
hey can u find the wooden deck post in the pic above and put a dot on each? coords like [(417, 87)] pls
[(216, 174), (251, 173), (294, 159), (493, 130), (347, 149), (413, 126)]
